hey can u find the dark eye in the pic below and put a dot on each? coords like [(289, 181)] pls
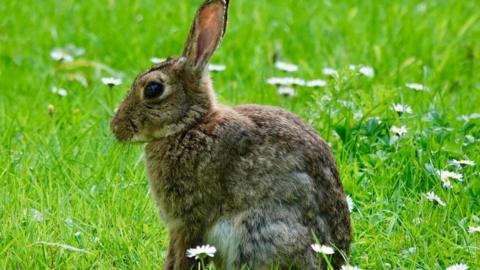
[(153, 90)]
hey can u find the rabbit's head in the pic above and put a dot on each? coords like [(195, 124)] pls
[(176, 93)]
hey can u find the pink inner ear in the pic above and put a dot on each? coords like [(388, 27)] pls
[(210, 29)]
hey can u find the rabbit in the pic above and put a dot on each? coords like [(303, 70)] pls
[(256, 182)]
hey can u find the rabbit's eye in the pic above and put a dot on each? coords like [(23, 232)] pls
[(153, 90)]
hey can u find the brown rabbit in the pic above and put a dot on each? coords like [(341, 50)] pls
[(254, 181)]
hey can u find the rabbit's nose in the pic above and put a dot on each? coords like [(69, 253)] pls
[(118, 128), (123, 128)]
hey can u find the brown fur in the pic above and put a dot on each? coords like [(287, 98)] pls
[(254, 181)]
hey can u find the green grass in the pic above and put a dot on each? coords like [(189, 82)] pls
[(68, 166)]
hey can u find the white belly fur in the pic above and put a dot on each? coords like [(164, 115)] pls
[(224, 237)]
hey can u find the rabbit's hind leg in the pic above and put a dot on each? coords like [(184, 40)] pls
[(261, 238)]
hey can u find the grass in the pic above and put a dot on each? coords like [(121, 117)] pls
[(64, 179)]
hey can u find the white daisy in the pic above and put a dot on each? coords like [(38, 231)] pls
[(402, 108), (61, 55), (76, 51), (417, 221), (357, 115), (462, 163), (409, 251), (111, 81), (431, 196), (467, 118), (156, 60), (350, 203), (287, 67), (59, 91), (36, 215), (62, 92), (349, 267), (470, 139), (447, 175), (474, 229), (139, 18), (458, 266), (69, 222), (330, 72), (286, 81), (346, 103), (316, 83), (367, 71), (399, 131), (446, 183), (416, 87), (463, 118), (476, 219), (201, 252), (322, 249), (422, 7), (286, 91), (216, 68)]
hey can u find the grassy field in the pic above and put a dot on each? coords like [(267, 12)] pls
[(65, 180)]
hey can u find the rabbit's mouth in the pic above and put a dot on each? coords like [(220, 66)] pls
[(134, 127)]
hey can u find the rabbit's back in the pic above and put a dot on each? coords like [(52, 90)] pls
[(285, 160)]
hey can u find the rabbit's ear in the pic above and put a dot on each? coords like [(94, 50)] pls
[(206, 33)]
